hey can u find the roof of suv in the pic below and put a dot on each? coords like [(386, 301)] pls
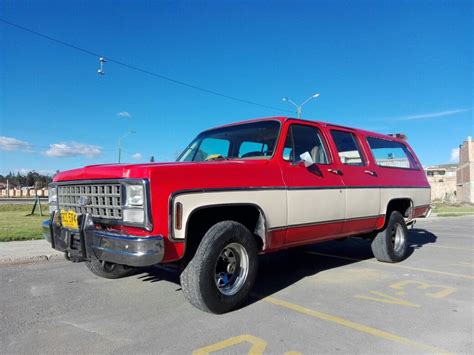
[(283, 119)]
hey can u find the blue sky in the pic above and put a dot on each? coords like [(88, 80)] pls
[(388, 66)]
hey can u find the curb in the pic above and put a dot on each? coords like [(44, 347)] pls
[(31, 259), (27, 252)]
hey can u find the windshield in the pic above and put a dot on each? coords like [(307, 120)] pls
[(245, 141)]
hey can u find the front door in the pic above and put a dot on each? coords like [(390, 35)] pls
[(315, 194)]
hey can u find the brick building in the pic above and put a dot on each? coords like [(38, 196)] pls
[(465, 172)]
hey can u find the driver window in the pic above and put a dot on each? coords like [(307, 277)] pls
[(301, 139), (253, 149), (212, 148)]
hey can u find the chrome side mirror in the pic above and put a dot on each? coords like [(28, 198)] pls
[(307, 159)]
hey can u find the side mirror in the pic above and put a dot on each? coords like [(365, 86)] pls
[(307, 159)]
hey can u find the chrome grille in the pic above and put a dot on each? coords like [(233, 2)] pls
[(101, 200)]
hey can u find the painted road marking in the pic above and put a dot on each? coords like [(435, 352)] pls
[(257, 348), (394, 265), (444, 291), (384, 298), (463, 264), (353, 325), (441, 292), (445, 247)]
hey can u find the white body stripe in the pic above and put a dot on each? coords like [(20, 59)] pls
[(292, 207), (313, 206), (420, 197), (362, 202), (272, 203)]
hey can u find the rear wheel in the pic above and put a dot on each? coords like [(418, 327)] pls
[(109, 270), (391, 244), (223, 270)]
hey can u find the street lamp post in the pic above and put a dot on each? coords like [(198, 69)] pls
[(299, 108), (120, 144)]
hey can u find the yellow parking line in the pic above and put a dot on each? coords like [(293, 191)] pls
[(455, 248), (353, 325), (463, 264), (394, 265)]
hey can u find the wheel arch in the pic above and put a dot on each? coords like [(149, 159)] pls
[(404, 205), (201, 218)]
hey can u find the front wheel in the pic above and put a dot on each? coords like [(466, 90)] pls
[(223, 270), (108, 270), (391, 244)]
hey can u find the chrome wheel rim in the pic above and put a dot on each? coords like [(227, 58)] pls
[(398, 238), (231, 269)]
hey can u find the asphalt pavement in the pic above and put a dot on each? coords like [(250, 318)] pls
[(328, 298)]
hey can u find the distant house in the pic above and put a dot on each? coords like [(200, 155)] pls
[(465, 172), (442, 179)]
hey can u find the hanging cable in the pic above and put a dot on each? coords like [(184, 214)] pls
[(144, 71)]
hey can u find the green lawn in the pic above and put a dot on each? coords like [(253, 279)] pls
[(444, 210), (15, 225)]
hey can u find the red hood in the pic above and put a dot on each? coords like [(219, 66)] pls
[(111, 171), (177, 175)]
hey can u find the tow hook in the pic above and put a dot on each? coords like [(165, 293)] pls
[(73, 258), (411, 223)]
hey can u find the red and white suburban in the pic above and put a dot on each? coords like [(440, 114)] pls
[(235, 192)]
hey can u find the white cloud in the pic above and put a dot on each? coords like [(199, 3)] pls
[(73, 149), (454, 155), (433, 114), (124, 114), (137, 156), (10, 144)]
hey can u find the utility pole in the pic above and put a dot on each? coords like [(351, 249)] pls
[(299, 108), (120, 144)]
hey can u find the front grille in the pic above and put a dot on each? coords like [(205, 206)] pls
[(99, 200)]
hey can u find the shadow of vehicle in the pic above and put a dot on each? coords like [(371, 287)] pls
[(419, 237), (282, 269)]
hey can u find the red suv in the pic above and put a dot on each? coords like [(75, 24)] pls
[(235, 192)]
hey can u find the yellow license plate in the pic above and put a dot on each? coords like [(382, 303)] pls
[(69, 219)]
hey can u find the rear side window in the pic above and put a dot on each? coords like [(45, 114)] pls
[(391, 154), (347, 148)]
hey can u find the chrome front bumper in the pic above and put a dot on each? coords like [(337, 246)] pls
[(91, 243)]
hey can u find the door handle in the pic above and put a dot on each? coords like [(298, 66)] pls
[(370, 172), (335, 171)]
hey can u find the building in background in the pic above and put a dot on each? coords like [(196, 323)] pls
[(442, 179), (465, 172)]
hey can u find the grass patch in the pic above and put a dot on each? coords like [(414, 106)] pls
[(15, 225), (455, 210), (453, 214)]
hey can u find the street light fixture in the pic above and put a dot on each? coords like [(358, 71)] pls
[(120, 143), (300, 107)]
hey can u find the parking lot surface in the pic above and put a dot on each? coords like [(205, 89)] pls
[(327, 298)]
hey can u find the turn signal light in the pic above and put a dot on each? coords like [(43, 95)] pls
[(178, 218)]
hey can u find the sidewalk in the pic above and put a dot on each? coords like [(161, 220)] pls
[(28, 251)]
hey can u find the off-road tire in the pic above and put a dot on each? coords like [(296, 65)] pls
[(109, 270), (383, 245), (198, 278)]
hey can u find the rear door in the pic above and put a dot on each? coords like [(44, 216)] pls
[(315, 194), (361, 181)]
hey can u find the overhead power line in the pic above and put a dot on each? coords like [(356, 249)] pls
[(144, 71)]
